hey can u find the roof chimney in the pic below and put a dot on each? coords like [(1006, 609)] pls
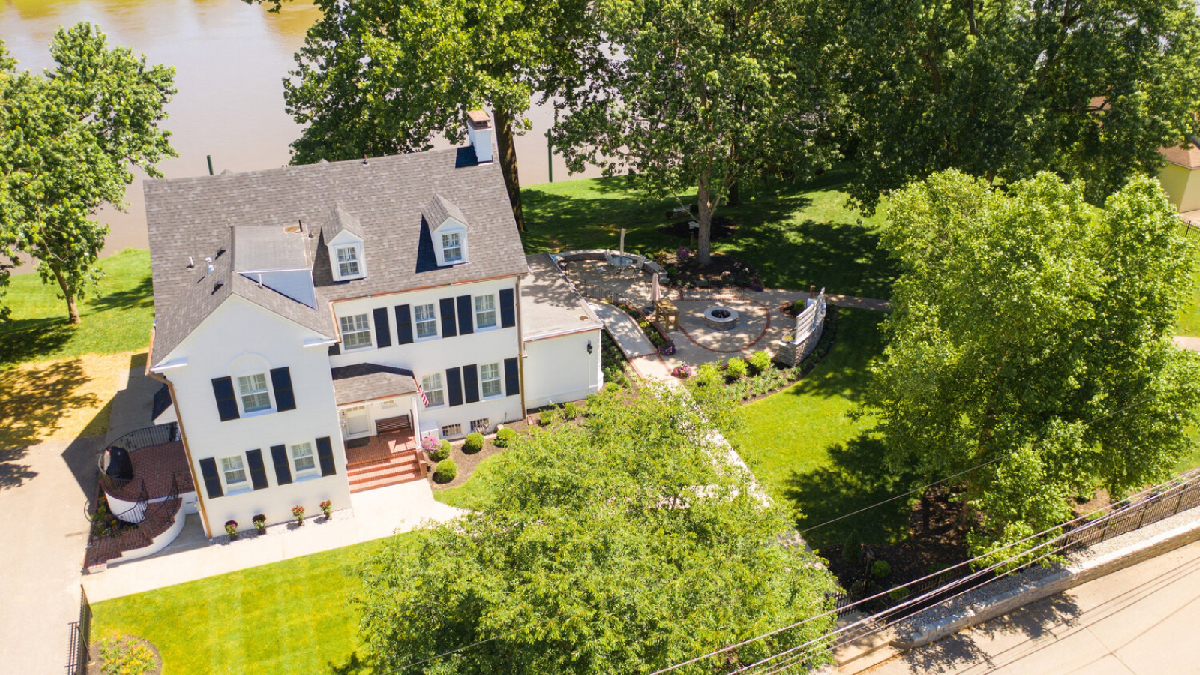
[(479, 130)]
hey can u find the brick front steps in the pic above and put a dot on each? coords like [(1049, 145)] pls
[(401, 467)]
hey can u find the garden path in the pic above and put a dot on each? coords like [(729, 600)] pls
[(623, 329)]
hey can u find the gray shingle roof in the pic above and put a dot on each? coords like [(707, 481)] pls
[(550, 305), (340, 219), (369, 381), (269, 248), (439, 209), (386, 195)]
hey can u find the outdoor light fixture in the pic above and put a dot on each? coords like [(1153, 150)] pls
[(589, 346)]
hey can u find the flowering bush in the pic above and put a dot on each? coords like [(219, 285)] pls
[(682, 253), (441, 450), (429, 444), (231, 528), (682, 372), (326, 508), (298, 514)]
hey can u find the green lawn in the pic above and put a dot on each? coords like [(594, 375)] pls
[(809, 452), (1189, 316), (795, 236), (116, 318), (474, 493), (292, 616)]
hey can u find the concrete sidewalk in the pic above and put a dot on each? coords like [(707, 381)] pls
[(1140, 620), (623, 329), (376, 514)]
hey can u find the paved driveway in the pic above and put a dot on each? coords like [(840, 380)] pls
[(44, 532), (1140, 620)]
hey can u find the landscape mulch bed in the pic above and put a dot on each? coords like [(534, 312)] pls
[(467, 462), (93, 666)]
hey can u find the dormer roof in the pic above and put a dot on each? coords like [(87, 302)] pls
[(340, 221), (439, 210)]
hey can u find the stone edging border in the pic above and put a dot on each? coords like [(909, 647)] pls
[(1037, 584)]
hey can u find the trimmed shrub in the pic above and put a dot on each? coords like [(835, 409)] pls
[(736, 368), (707, 374), (898, 594), (441, 452), (446, 471), (880, 569), (570, 411), (760, 361), (474, 442), (504, 436), (548, 416)]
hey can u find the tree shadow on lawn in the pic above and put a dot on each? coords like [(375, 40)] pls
[(854, 479), (845, 371), (23, 340), (140, 296)]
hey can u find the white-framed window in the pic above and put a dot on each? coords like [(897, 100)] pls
[(356, 331), (452, 430), (233, 471), (426, 319), (432, 386), (253, 393), (489, 379), (452, 247), (485, 311), (303, 460), (480, 425), (347, 260)]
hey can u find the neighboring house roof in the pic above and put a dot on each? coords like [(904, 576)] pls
[(384, 197), (1188, 158), (550, 305), (369, 381)]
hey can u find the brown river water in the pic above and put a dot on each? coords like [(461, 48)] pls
[(230, 59)]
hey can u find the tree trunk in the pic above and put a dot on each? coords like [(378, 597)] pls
[(735, 193), (72, 310), (508, 164), (704, 217)]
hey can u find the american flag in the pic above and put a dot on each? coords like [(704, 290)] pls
[(424, 398)]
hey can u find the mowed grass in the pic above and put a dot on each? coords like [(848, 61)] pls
[(294, 616), (794, 235), (117, 315), (811, 453)]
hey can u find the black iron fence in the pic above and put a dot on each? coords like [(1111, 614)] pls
[(1150, 506), (81, 637), (159, 434), (157, 517)]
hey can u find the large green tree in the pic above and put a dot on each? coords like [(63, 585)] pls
[(702, 95), (1032, 338), (380, 77), (1003, 89), (68, 141), (620, 545)]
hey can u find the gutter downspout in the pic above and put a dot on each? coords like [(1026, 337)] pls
[(520, 349), (187, 450)]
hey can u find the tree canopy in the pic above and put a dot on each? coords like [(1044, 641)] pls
[(67, 142), (701, 95), (380, 77), (620, 544), (1003, 89), (1031, 338)]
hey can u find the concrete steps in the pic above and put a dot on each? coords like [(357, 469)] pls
[(400, 468)]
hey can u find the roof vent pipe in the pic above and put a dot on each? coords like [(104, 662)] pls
[(191, 263)]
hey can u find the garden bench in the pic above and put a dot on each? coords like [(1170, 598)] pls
[(391, 425)]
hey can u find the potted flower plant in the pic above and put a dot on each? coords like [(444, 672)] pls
[(327, 509), (231, 529), (298, 514), (260, 523)]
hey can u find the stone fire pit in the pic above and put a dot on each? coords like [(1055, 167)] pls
[(720, 318)]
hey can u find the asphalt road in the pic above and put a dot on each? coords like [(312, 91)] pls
[(1141, 620)]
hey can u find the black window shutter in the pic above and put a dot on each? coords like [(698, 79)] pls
[(454, 384), (281, 381), (471, 382), (465, 325), (404, 334), (508, 312), (512, 378), (383, 332), (446, 305), (258, 473), (283, 468), (226, 402), (208, 468), (335, 349), (325, 455)]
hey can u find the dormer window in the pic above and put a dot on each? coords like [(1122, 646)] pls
[(347, 258), (452, 248)]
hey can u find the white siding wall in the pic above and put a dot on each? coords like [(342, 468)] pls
[(560, 369), (492, 345), (235, 337)]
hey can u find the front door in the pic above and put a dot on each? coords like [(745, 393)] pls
[(356, 422)]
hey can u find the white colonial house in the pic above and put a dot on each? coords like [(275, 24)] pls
[(313, 323)]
